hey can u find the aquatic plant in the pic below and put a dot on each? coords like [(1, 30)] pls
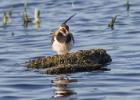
[(112, 22), (36, 20), (36, 16), (25, 18), (127, 5), (4, 19), (25, 15)]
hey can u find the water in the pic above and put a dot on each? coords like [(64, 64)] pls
[(89, 26)]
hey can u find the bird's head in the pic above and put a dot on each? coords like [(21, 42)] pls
[(64, 29)]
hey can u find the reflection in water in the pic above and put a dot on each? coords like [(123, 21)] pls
[(61, 87), (36, 26)]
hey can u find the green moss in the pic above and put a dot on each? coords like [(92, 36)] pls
[(83, 60), (74, 68)]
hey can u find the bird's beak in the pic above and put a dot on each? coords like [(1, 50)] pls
[(69, 18)]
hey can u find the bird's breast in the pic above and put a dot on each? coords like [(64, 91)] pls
[(64, 38)]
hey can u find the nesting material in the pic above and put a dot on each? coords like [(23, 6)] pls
[(80, 61)]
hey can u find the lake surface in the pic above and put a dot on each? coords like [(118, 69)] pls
[(89, 27)]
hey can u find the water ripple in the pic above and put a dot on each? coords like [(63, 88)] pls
[(19, 44)]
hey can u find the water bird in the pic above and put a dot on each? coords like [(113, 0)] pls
[(62, 39), (4, 19)]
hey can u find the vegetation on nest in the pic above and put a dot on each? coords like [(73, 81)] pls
[(80, 61)]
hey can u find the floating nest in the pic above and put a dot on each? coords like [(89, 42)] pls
[(80, 61)]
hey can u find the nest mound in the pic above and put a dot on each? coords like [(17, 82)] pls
[(80, 61)]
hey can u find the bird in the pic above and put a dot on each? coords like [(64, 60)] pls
[(62, 39)]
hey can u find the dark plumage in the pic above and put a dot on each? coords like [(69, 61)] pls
[(64, 39), (61, 38)]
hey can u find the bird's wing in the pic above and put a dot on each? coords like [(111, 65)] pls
[(52, 39), (69, 38)]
